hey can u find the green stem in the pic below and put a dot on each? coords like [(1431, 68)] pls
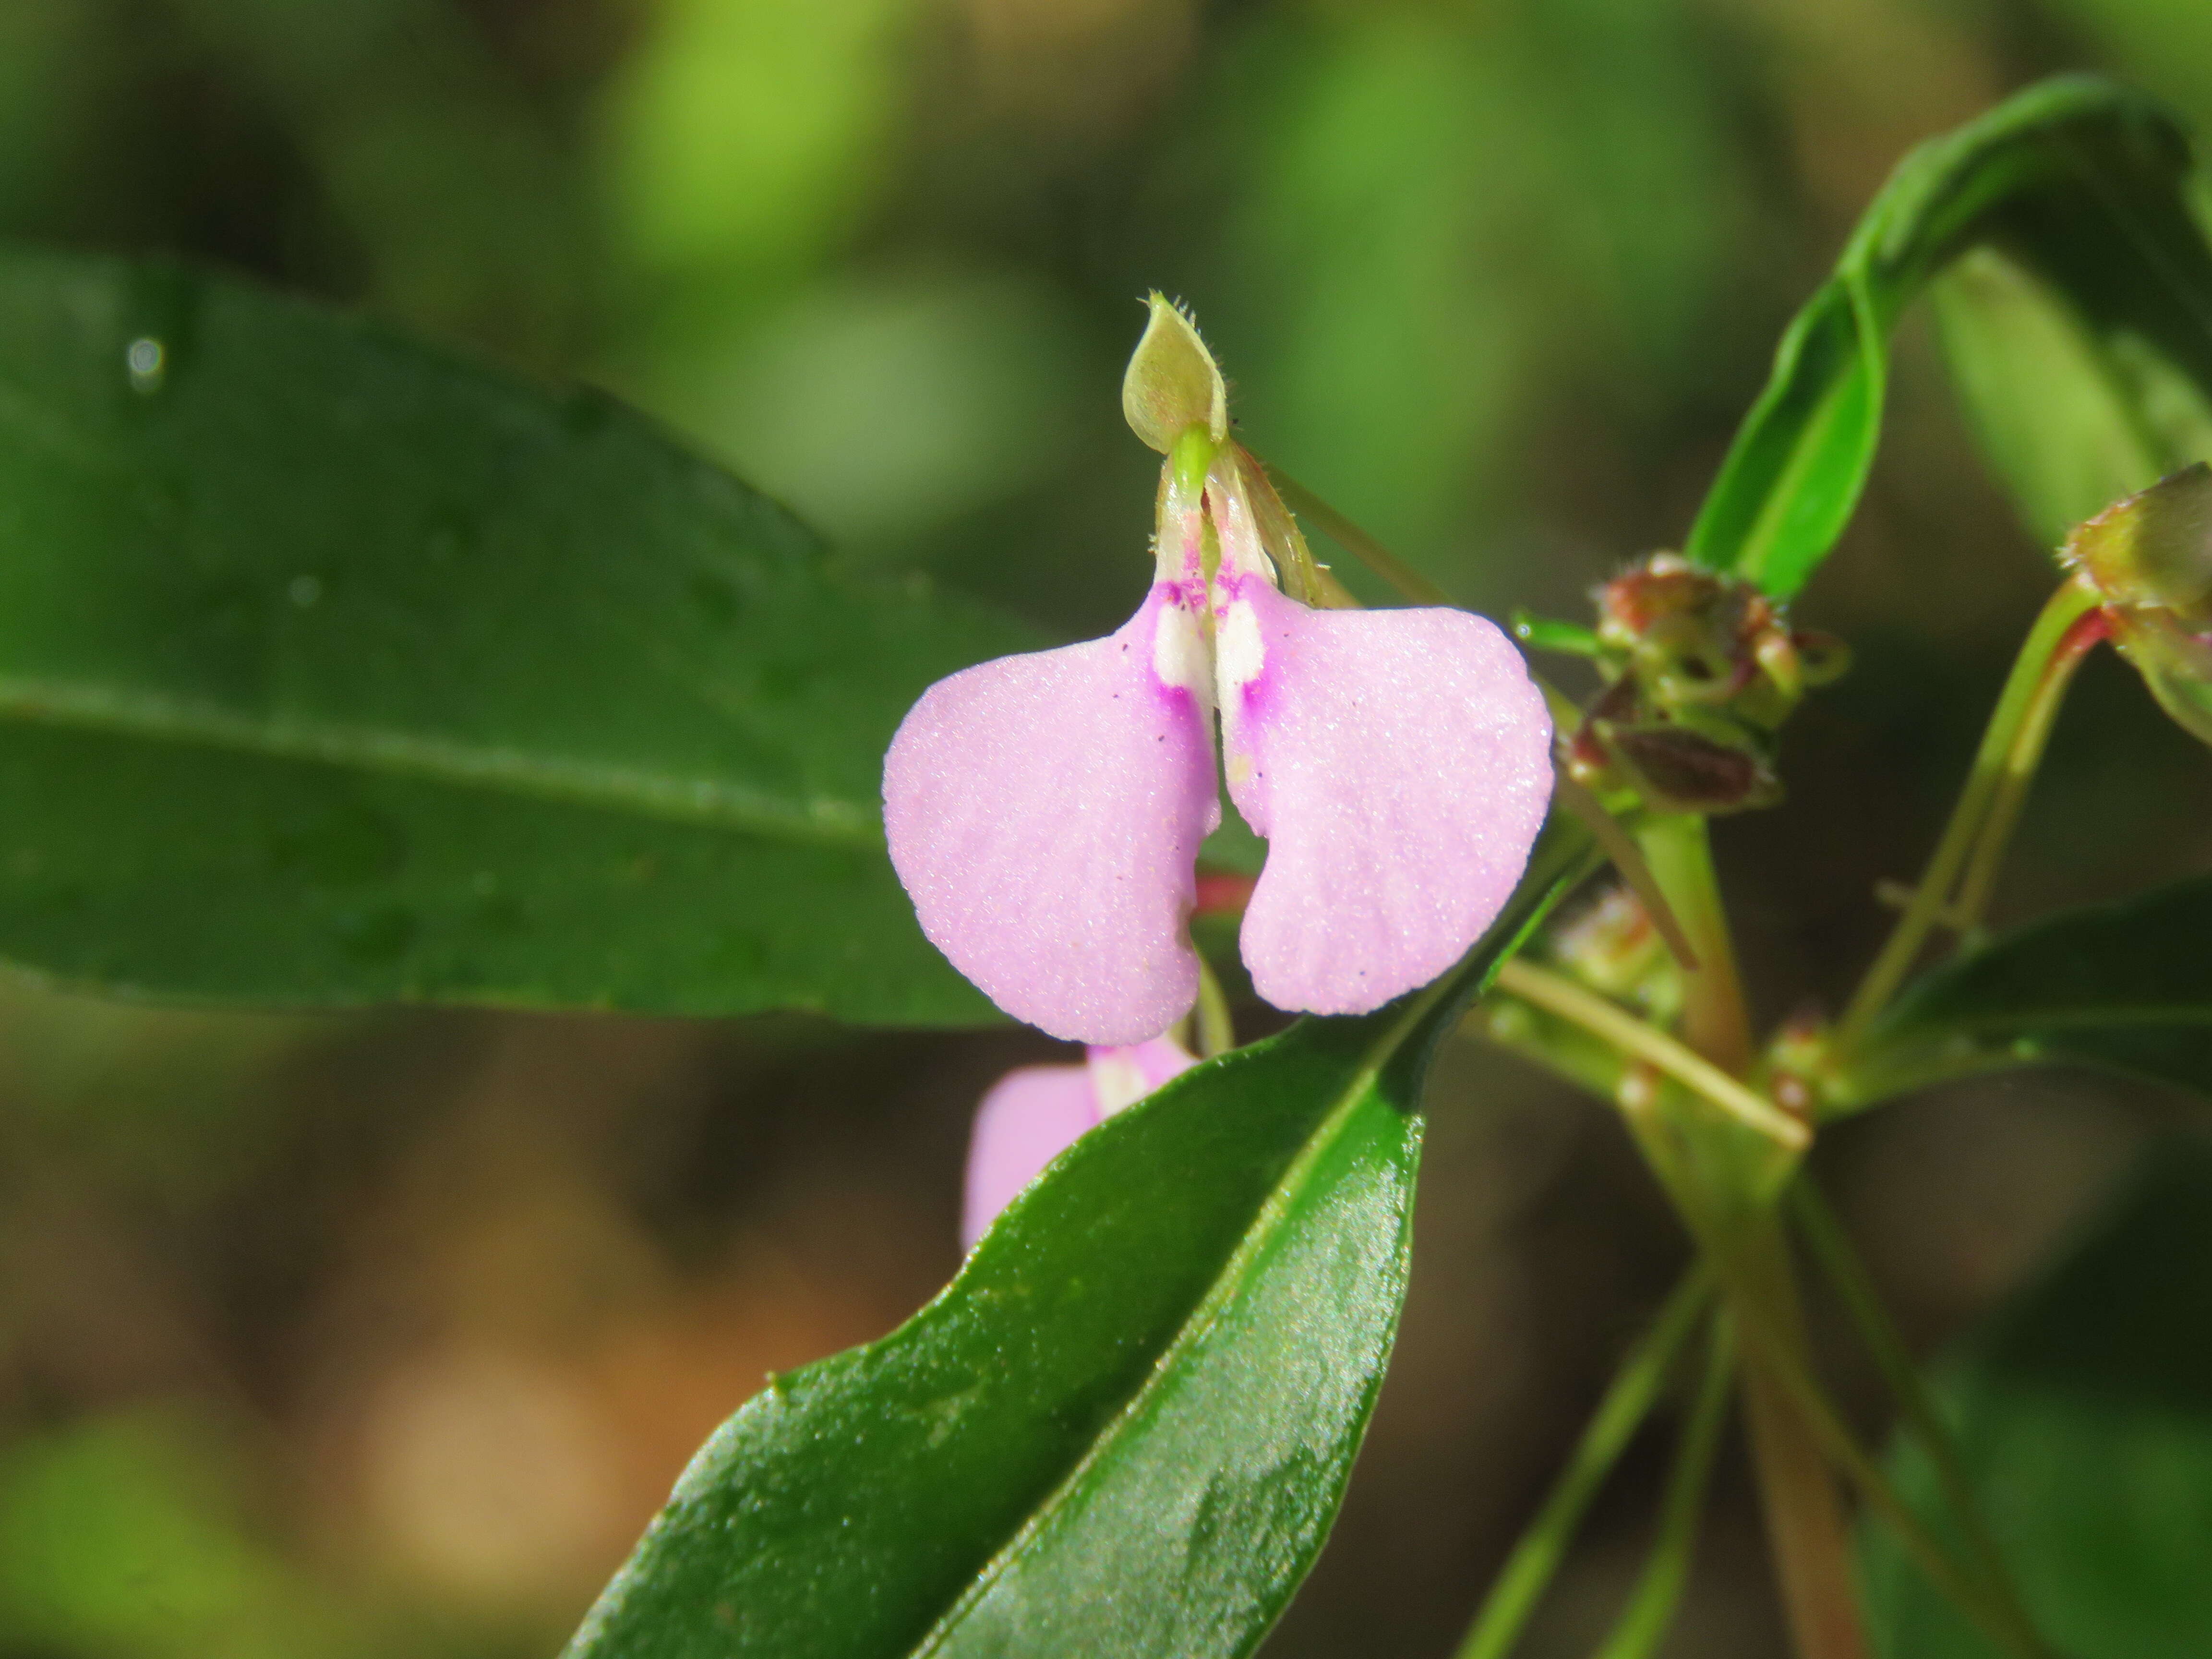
[(1831, 1250), (1543, 634), (1715, 1021), (1795, 1431), (2015, 704), (1805, 1521), (1505, 1021), (1520, 1583), (1651, 1610), (1217, 1031), (2020, 763), (1787, 1371), (1750, 1257), (1556, 995), (1804, 1517)]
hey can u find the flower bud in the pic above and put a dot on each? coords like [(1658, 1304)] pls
[(2175, 664), (1701, 670), (2149, 558), (1612, 948), (1679, 771), (1172, 383), (2154, 550)]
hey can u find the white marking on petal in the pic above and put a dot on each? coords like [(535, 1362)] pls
[(1240, 651), (1243, 554), (1180, 657), (1117, 1081), (1121, 1076)]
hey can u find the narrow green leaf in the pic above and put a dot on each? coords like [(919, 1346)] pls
[(2126, 988), (1125, 1428), (2083, 1415), (332, 669), (2079, 181), (1529, 1571), (1651, 1605)]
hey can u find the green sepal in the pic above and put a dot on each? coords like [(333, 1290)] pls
[(1172, 383)]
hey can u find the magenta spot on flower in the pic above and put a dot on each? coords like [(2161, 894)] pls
[(1398, 762), (1044, 812)]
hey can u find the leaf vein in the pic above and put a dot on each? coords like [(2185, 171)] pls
[(577, 781)]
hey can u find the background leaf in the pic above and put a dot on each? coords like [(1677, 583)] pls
[(119, 1536), (1125, 1428), (333, 671), (2071, 416), (2125, 986), (2083, 1416), (2079, 181)]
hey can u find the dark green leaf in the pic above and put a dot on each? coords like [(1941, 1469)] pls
[(1125, 1428), (2083, 1418), (2078, 180), (2126, 988), (332, 669)]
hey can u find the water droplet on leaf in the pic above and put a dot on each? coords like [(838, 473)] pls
[(146, 360)]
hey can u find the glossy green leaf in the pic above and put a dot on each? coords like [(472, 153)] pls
[(2083, 1418), (1125, 1428), (2125, 986), (332, 669), (2079, 181)]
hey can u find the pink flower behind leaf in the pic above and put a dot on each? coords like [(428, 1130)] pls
[(1033, 1115)]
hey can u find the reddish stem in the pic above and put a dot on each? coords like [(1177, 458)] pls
[(1223, 894)]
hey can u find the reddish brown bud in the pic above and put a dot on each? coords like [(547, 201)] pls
[(1702, 670)]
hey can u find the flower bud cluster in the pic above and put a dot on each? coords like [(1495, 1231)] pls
[(1701, 671)]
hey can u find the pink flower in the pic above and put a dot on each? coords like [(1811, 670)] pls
[(1032, 1115), (1045, 810)]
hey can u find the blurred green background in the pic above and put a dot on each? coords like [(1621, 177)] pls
[(384, 1336)]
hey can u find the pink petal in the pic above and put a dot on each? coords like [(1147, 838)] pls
[(1400, 763), (1045, 811), (1032, 1115), (1029, 1117)]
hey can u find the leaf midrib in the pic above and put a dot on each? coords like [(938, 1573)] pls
[(711, 802)]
